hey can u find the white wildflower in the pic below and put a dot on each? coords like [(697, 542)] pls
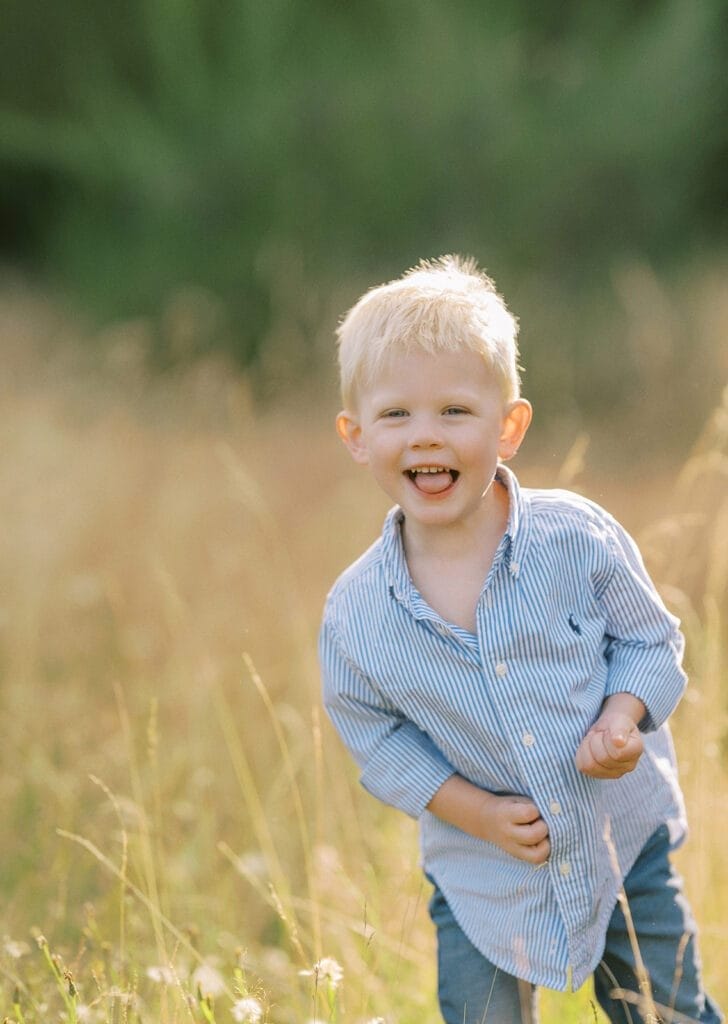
[(247, 1011), (326, 968), (163, 975), (209, 980), (330, 969)]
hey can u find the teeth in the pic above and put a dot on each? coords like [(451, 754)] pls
[(430, 469)]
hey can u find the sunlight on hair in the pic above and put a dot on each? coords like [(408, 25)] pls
[(438, 306)]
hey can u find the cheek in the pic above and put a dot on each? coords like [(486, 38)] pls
[(384, 450), (480, 448), (384, 464)]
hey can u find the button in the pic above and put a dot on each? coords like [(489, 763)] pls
[(501, 668), (515, 567), (565, 868), (555, 807), (528, 740)]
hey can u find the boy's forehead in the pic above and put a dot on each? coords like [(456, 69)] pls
[(412, 370)]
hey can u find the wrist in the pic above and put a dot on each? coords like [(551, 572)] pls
[(625, 704), (485, 819), (463, 804)]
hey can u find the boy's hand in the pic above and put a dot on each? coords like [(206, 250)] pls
[(511, 822), (611, 748), (515, 824)]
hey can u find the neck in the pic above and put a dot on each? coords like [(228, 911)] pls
[(484, 528)]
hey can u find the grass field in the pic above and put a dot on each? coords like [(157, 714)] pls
[(184, 838)]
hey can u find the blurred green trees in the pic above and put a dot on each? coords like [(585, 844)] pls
[(264, 151)]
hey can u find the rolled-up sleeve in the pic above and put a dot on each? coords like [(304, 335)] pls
[(400, 764), (645, 645)]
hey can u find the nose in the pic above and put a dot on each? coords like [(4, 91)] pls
[(425, 434)]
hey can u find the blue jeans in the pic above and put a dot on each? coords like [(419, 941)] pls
[(472, 991)]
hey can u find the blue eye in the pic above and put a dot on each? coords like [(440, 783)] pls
[(455, 410), (394, 413)]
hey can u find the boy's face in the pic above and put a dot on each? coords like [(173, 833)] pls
[(431, 428)]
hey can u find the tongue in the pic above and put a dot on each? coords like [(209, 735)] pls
[(432, 483)]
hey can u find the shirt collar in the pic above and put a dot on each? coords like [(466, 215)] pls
[(512, 549), (518, 527)]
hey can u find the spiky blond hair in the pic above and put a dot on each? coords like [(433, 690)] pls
[(443, 305)]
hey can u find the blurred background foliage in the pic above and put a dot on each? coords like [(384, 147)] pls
[(247, 168)]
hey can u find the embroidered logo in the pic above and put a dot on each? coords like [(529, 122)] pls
[(574, 624)]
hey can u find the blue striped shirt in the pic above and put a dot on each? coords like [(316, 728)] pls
[(567, 616)]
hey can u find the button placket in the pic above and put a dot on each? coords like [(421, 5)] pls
[(504, 679)]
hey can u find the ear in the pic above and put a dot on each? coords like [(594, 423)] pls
[(349, 430), (516, 421)]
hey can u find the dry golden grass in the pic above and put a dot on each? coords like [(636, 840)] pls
[(173, 801)]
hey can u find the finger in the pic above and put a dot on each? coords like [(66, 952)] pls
[(533, 833), (524, 812), (585, 755), (597, 772), (582, 757), (538, 854), (615, 770), (592, 747), (615, 743), (603, 759)]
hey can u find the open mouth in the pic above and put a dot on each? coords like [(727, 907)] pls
[(432, 479)]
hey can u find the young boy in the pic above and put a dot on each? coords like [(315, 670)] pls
[(502, 668)]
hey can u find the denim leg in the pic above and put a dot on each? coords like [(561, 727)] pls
[(470, 989), (666, 935)]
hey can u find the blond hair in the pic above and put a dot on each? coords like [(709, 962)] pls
[(443, 305)]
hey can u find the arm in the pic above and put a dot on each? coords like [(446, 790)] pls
[(614, 744), (645, 646), (511, 822), (400, 764)]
